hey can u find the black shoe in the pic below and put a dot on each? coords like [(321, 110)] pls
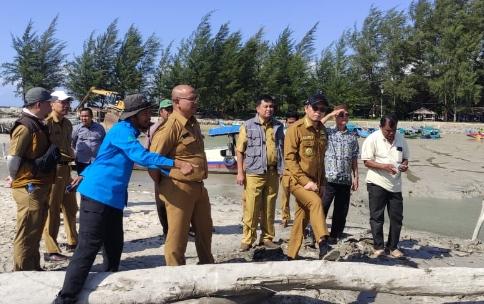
[(70, 248), (55, 257), (324, 248)]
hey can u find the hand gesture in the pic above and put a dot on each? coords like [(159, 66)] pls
[(403, 168), (311, 186), (186, 168), (240, 178), (390, 168)]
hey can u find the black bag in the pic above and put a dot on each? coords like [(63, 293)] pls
[(47, 162)]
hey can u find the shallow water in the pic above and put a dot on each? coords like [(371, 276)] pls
[(446, 217)]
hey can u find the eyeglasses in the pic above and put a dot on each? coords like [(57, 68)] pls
[(316, 108), (341, 115), (192, 98)]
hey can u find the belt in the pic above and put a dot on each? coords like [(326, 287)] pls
[(63, 162)]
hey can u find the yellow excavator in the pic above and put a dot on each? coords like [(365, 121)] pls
[(106, 106)]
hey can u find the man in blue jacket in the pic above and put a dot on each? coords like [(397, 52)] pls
[(104, 194)]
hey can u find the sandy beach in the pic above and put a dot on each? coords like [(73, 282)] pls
[(449, 170)]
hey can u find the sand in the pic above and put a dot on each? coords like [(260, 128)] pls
[(449, 168)]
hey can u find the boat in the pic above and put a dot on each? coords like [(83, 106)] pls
[(364, 133), (410, 133), (477, 134), (430, 133), (223, 159)]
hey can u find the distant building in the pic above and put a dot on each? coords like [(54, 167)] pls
[(423, 114)]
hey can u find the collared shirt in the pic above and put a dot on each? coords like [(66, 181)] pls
[(86, 141), (377, 148), (271, 150), (342, 150), (304, 149), (106, 179), (181, 138), (60, 134)]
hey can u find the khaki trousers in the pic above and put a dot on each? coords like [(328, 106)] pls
[(309, 209), (285, 206), (31, 215), (59, 201), (260, 194), (186, 202)]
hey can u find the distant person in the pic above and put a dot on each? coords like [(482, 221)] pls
[(165, 109), (285, 193), (185, 196), (259, 165), (61, 199), (304, 149), (31, 163), (341, 165), (385, 153), (86, 139), (104, 194)]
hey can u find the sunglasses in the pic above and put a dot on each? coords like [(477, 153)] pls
[(341, 115), (319, 108)]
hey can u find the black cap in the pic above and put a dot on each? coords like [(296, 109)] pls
[(133, 104), (316, 98), (37, 94)]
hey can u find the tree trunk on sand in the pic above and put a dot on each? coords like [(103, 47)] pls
[(168, 284)]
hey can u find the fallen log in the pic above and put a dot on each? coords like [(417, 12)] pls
[(168, 284)]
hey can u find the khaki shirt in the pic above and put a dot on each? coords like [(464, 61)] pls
[(271, 150), (180, 138), (304, 150), (60, 132), (28, 146)]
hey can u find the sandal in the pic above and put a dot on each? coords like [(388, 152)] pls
[(378, 253), (397, 254)]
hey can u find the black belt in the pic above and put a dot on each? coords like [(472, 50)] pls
[(63, 162)]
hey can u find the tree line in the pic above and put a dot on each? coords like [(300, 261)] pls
[(430, 55)]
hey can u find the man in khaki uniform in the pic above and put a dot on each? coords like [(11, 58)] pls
[(259, 164), (185, 196), (60, 130), (304, 150), (29, 140), (285, 194)]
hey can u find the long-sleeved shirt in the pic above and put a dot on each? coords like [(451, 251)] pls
[(106, 179), (86, 141)]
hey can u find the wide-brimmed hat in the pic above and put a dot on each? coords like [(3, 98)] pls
[(165, 103), (37, 94), (133, 104), (61, 95)]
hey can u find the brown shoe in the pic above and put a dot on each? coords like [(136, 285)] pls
[(270, 244), (244, 247), (55, 257)]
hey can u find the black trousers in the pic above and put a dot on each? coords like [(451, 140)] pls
[(99, 225), (80, 167), (340, 193), (379, 198)]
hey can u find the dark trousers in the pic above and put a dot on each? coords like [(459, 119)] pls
[(380, 198), (340, 193), (161, 209), (80, 167), (99, 225)]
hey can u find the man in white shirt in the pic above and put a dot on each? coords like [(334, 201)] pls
[(385, 154)]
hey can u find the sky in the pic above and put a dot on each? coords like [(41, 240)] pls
[(175, 20)]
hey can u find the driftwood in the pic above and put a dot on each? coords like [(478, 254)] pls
[(168, 284), (480, 220)]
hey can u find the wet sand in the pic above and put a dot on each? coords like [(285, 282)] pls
[(450, 169)]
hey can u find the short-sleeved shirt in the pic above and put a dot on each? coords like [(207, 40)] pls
[(181, 138), (86, 141), (377, 148), (60, 134), (342, 150), (271, 150)]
